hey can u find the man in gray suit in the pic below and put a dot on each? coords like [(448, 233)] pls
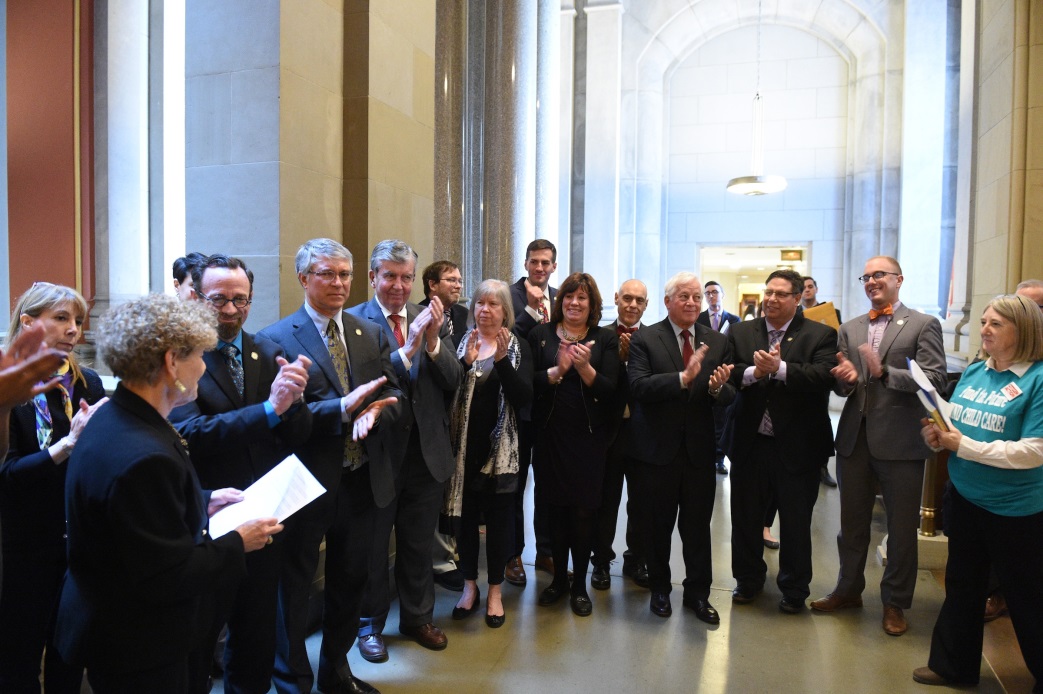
[(878, 440), (421, 454)]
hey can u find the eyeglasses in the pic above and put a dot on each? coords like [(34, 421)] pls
[(878, 275), (769, 293), (711, 292), (330, 275), (220, 301), (452, 280)]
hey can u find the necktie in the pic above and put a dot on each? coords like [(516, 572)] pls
[(686, 349), (715, 320), (885, 311), (352, 449), (397, 320), (448, 323), (234, 367), (766, 428), (542, 310)]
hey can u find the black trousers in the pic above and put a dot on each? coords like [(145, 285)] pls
[(681, 492), (979, 540), (346, 518), (165, 679), (617, 468), (540, 512), (498, 510), (753, 478)]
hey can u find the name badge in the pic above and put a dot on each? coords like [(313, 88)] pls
[(1011, 390)]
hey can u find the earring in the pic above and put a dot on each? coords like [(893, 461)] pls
[(179, 385)]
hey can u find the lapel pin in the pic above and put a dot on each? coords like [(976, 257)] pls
[(789, 339), (358, 331), (901, 322), (253, 355)]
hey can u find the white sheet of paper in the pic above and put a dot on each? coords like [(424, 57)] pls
[(927, 392), (287, 488)]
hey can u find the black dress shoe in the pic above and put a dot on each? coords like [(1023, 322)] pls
[(349, 686), (703, 610), (372, 648), (451, 580), (464, 612), (581, 605), (745, 594), (827, 479), (552, 593), (791, 605), (721, 469), (494, 621), (660, 604), (600, 578), (771, 544), (636, 571)]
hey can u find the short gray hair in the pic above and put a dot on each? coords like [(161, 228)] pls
[(499, 290), (314, 249), (677, 280), (1030, 284), (392, 251)]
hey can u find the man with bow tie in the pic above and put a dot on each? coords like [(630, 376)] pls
[(878, 440)]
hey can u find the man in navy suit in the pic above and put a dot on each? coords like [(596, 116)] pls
[(716, 318), (782, 431), (533, 299), (346, 393), (246, 418), (419, 448)]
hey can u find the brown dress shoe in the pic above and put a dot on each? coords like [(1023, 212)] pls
[(514, 572), (427, 635), (544, 563), (995, 606), (835, 601), (925, 675), (894, 620), (372, 648)]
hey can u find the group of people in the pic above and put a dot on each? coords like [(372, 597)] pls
[(423, 421)]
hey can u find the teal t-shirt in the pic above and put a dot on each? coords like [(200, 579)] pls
[(987, 407)]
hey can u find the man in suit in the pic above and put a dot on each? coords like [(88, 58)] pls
[(631, 301), (350, 381), (246, 418), (878, 439), (533, 299), (678, 372), (716, 318), (420, 450), (809, 299), (442, 278), (782, 432)]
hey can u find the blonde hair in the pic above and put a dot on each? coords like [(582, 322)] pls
[(39, 298), (134, 338), (1028, 323)]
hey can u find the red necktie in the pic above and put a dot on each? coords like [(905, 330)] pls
[(397, 320), (686, 350), (622, 329), (885, 311)]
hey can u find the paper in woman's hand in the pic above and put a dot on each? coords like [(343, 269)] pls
[(937, 408), (287, 488)]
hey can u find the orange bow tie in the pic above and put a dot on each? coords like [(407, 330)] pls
[(885, 311)]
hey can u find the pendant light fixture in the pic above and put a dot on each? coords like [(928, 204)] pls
[(757, 183)]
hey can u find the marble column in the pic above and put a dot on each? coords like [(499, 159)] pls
[(923, 149), (548, 121), (567, 37), (601, 144), (509, 146), (450, 126)]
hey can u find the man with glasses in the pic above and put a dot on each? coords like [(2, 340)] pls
[(532, 298), (419, 448), (782, 432), (878, 439), (716, 318), (350, 381), (246, 419), (442, 278)]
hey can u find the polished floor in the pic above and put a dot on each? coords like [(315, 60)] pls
[(623, 647)]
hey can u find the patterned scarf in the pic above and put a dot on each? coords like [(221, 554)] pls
[(503, 456), (44, 421)]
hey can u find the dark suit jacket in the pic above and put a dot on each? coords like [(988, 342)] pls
[(726, 319), (457, 318), (139, 558), (892, 412), (228, 436), (799, 408), (597, 398), (523, 322), (32, 487), (429, 386), (368, 358), (664, 416)]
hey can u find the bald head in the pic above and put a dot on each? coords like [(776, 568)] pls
[(631, 302)]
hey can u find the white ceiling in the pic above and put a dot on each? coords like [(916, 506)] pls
[(754, 261)]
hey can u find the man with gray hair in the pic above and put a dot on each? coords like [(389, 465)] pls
[(419, 449), (1031, 290), (350, 381)]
